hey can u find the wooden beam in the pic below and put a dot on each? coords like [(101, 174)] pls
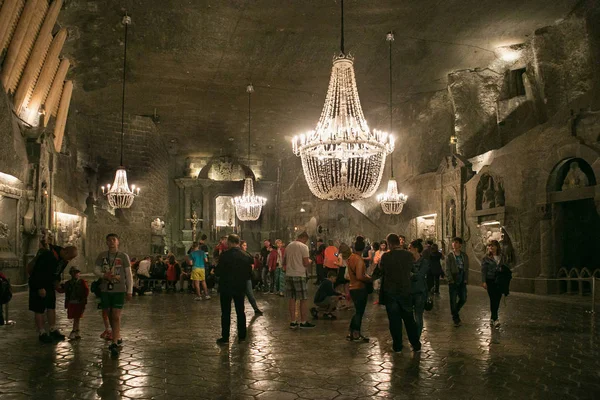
[(51, 103), (25, 28), (63, 112), (9, 15), (36, 60), (49, 69)]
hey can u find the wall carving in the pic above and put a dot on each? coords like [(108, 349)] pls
[(490, 193)]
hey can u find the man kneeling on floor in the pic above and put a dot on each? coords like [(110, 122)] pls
[(326, 298)]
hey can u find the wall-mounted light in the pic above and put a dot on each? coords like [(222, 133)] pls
[(302, 210), (453, 139), (490, 223), (508, 53)]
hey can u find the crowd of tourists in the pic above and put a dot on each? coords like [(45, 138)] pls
[(404, 276)]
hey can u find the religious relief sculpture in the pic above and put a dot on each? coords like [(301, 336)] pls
[(451, 219), (158, 236), (194, 221), (499, 195), (5, 245), (575, 178), (158, 227), (489, 196)]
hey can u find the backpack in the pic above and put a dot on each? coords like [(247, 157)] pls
[(5, 291)]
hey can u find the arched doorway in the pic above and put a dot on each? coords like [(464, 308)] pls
[(572, 214)]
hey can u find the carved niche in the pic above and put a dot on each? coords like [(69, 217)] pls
[(490, 193), (575, 177)]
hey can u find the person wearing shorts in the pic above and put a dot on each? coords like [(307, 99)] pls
[(114, 268), (296, 260), (199, 260), (43, 281)]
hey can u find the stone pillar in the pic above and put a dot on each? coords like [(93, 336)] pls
[(547, 258), (186, 208)]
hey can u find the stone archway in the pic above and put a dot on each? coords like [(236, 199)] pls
[(569, 224)]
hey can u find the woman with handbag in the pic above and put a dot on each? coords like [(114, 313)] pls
[(491, 266), (359, 288), (418, 283)]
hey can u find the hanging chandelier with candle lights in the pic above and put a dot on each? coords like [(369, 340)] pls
[(391, 201), (248, 206), (343, 158), (119, 195)]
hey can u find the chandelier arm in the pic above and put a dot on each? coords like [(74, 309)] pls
[(342, 28), (126, 22)]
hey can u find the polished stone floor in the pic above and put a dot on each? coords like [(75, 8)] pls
[(546, 348)]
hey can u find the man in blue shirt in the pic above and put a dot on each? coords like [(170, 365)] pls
[(199, 260), (457, 273)]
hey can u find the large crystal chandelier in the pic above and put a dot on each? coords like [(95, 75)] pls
[(342, 158), (391, 201), (119, 195), (248, 206)]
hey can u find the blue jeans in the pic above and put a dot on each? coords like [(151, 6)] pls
[(250, 295), (457, 292), (399, 309), (418, 300)]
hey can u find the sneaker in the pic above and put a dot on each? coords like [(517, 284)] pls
[(45, 338), (496, 324), (314, 312), (105, 334), (241, 340), (258, 312), (330, 317), (198, 298), (56, 335), (114, 349), (417, 350), (77, 335), (491, 322), (72, 335), (456, 323), (207, 297), (222, 341), (294, 325), (120, 342), (307, 324), (397, 350)]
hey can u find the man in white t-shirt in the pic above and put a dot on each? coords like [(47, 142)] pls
[(295, 263)]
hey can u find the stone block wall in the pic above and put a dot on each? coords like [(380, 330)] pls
[(147, 162)]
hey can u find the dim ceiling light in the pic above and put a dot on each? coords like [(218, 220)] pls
[(342, 158), (508, 54)]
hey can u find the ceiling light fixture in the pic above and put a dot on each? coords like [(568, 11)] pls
[(119, 195), (391, 201), (248, 206), (342, 158)]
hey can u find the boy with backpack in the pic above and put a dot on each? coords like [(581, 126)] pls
[(5, 295)]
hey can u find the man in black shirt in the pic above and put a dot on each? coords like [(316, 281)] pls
[(43, 281), (233, 270), (396, 266)]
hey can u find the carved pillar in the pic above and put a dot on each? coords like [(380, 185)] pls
[(186, 207), (547, 252), (546, 242), (180, 206)]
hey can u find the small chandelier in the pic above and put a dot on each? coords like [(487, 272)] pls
[(248, 206), (119, 195), (342, 158), (391, 201)]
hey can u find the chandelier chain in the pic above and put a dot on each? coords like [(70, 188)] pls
[(342, 28), (126, 22), (390, 40)]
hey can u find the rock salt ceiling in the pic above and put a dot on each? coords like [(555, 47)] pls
[(191, 60)]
